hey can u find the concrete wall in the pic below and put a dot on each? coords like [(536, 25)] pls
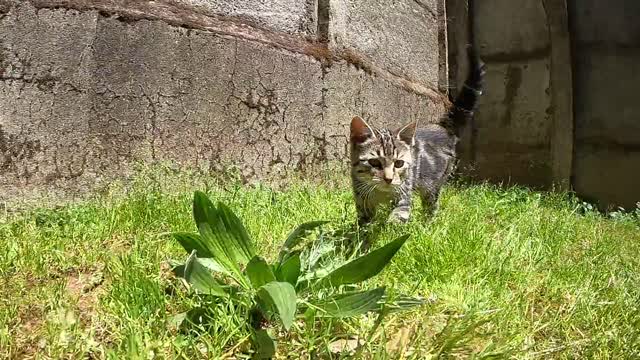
[(289, 16), (508, 140), (87, 88), (559, 108), (401, 36), (606, 39)]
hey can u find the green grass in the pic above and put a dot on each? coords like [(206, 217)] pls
[(509, 273)]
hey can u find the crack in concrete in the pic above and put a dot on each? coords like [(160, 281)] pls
[(154, 118)]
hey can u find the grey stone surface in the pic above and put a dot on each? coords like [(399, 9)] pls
[(606, 73), (509, 139), (512, 124), (607, 95), (290, 16), (511, 164), (45, 83), (608, 176), (514, 108), (84, 97), (507, 27), (518, 135), (613, 22), (399, 36)]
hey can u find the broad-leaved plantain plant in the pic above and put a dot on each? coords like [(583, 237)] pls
[(223, 263)]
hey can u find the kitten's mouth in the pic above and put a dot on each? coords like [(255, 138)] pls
[(385, 187)]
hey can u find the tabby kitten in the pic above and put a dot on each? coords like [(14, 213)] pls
[(387, 166)]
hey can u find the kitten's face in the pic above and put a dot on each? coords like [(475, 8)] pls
[(381, 158)]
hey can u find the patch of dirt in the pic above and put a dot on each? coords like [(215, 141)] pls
[(86, 288), (83, 288), (27, 332), (345, 347), (117, 245), (399, 342)]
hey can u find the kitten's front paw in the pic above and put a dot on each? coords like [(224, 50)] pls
[(399, 216)]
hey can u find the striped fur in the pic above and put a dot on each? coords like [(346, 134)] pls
[(388, 165)]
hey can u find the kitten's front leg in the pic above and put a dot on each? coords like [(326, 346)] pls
[(402, 209), (430, 203), (365, 214)]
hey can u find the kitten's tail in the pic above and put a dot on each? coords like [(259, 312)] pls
[(465, 103)]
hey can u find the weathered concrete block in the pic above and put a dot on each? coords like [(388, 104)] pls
[(608, 176), (124, 91), (149, 91), (45, 78), (509, 140), (506, 28), (290, 16), (84, 96), (401, 37), (609, 115), (511, 164), (613, 22), (607, 65), (514, 107), (253, 107), (49, 51)]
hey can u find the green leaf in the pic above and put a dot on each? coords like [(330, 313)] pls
[(281, 298), (178, 270), (364, 267), (297, 235), (203, 209), (264, 345), (208, 222), (316, 253), (176, 320), (221, 254), (243, 247), (353, 304), (402, 303), (213, 265), (289, 270), (259, 272), (194, 317), (200, 278), (223, 234), (190, 242)]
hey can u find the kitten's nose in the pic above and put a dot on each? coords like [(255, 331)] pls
[(388, 180)]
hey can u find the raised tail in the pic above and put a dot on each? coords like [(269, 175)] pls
[(465, 103)]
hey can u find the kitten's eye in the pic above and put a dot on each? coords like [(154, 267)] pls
[(398, 163), (375, 163)]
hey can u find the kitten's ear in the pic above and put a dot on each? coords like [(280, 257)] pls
[(407, 133), (360, 130)]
